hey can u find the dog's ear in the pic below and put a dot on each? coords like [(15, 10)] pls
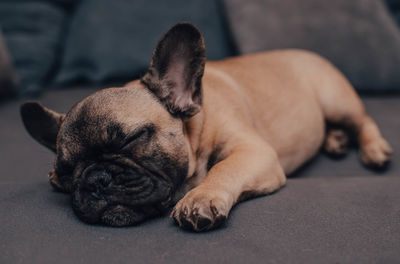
[(176, 69), (42, 123)]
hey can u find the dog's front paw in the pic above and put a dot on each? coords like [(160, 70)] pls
[(376, 154), (201, 210)]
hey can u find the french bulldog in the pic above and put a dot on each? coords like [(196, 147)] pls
[(199, 135)]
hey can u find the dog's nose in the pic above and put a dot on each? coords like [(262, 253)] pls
[(98, 179)]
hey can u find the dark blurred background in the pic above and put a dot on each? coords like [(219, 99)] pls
[(48, 44)]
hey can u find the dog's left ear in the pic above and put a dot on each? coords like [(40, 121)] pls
[(42, 123), (176, 69)]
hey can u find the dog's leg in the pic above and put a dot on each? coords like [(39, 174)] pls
[(336, 142), (375, 152), (341, 105), (250, 169)]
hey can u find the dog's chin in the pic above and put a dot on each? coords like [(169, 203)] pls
[(117, 215), (121, 216)]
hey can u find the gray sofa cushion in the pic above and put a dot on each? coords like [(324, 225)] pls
[(331, 211), (358, 36), (114, 39), (32, 31), (8, 79)]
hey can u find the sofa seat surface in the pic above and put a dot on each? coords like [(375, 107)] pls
[(331, 211)]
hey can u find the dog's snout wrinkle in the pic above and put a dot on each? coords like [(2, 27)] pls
[(103, 180)]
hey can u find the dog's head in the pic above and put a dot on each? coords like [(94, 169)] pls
[(122, 152)]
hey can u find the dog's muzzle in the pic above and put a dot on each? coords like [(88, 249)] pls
[(118, 195)]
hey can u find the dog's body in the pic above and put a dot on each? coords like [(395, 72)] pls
[(214, 140)]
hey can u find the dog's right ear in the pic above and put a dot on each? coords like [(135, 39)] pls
[(176, 70), (42, 123)]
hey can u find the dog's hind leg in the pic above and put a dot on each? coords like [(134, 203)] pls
[(337, 142), (342, 106), (375, 152)]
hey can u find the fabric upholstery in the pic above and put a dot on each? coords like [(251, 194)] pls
[(358, 36), (8, 79), (114, 39), (33, 34)]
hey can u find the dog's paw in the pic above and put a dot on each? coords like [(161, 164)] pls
[(201, 210), (336, 143), (376, 154)]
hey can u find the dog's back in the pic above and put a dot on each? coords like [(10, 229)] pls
[(275, 93)]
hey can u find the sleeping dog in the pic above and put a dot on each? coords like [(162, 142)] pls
[(200, 136)]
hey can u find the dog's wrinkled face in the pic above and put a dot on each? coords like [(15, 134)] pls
[(122, 152), (122, 155)]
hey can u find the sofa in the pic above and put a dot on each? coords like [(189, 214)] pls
[(331, 211)]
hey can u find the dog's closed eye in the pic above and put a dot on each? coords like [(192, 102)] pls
[(144, 132)]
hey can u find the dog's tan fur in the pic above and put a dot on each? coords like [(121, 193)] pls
[(263, 115), (267, 112)]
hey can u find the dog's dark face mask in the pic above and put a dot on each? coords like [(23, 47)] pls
[(122, 152)]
